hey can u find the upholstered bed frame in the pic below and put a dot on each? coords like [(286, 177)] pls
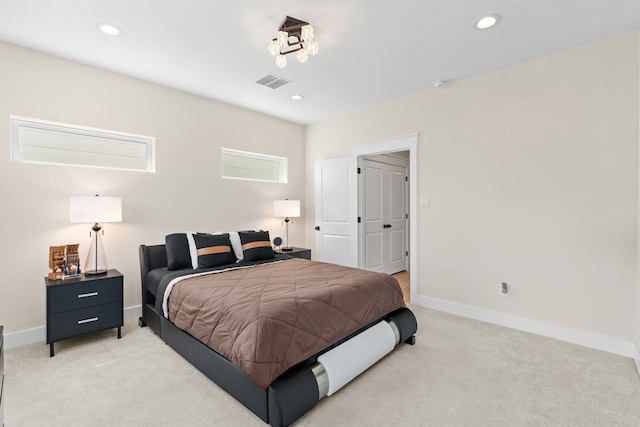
[(291, 395)]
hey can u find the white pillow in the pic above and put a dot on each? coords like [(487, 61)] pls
[(193, 251)]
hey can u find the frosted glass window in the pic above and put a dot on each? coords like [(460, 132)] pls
[(38, 141), (253, 166)]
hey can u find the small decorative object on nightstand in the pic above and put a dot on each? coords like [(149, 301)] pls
[(64, 262), (88, 304), (1, 376), (277, 242), (297, 252)]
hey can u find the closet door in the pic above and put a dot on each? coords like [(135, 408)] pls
[(384, 217)]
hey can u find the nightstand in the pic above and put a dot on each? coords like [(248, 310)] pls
[(84, 305), (297, 253)]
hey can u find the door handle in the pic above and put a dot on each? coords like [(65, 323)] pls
[(317, 228), (386, 226)]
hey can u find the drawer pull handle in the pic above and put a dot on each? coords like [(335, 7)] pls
[(90, 294), (93, 319)]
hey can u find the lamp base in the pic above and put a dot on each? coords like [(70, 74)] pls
[(96, 262), (286, 249), (94, 272)]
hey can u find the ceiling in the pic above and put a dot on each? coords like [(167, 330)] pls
[(371, 51)]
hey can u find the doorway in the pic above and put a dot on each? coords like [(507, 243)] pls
[(409, 144), (337, 199)]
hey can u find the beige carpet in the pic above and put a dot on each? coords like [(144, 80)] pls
[(460, 373)]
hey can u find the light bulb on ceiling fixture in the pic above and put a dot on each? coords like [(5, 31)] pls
[(273, 48), (312, 47), (302, 56), (281, 61), (283, 37), (306, 33)]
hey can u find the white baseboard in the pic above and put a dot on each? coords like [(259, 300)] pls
[(573, 335), (39, 334), (637, 357)]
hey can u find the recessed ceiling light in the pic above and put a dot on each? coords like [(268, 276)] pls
[(111, 30), (297, 97), (487, 22)]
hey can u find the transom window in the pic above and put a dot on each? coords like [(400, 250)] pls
[(39, 141), (253, 166)]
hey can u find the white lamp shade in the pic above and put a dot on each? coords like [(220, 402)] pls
[(286, 208), (93, 209)]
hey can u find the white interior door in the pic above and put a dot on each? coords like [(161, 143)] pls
[(384, 216), (395, 250), (372, 216), (337, 211)]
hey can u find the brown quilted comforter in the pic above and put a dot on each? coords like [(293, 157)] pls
[(268, 318)]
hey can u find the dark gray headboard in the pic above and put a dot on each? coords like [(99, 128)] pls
[(151, 257)]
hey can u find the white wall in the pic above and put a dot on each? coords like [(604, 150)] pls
[(532, 173), (637, 336), (185, 193)]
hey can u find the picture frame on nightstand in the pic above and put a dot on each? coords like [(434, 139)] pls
[(64, 261)]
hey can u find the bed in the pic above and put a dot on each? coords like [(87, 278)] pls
[(277, 333)]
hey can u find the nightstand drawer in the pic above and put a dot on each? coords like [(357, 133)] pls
[(79, 322), (74, 296)]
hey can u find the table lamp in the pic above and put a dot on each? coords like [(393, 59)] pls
[(286, 209), (95, 210)]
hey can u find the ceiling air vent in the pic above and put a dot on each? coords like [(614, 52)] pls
[(272, 81)]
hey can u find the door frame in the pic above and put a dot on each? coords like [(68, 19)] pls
[(403, 143)]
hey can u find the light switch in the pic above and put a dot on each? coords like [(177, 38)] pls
[(425, 201)]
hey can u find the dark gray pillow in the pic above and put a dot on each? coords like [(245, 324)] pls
[(213, 250), (256, 245), (178, 255)]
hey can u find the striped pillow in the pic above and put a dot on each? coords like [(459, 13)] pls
[(256, 245), (213, 250)]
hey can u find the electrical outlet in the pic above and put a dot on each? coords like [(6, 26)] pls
[(504, 290)]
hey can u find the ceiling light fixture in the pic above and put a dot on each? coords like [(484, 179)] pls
[(109, 29), (297, 97), (487, 22), (293, 35)]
